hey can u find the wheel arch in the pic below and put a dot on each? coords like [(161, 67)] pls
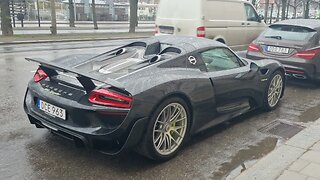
[(180, 95), (220, 39)]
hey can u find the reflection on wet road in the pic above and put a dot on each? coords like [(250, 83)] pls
[(218, 153)]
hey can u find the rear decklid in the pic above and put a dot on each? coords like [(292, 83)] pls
[(86, 78)]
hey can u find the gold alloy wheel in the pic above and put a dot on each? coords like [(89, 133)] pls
[(170, 128), (275, 90)]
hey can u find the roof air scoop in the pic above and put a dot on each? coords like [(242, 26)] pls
[(120, 51), (155, 59)]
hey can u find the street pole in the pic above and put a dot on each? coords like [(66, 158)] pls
[(53, 27), (38, 13)]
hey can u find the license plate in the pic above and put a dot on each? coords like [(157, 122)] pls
[(166, 31), (276, 49), (51, 110)]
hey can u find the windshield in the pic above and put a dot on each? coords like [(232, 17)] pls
[(287, 32)]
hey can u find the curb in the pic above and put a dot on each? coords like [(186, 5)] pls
[(70, 40), (272, 165)]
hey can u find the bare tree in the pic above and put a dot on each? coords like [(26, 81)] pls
[(283, 7), (53, 27), (133, 15), (71, 14), (6, 26), (306, 9)]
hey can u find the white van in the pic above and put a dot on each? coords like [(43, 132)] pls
[(233, 22)]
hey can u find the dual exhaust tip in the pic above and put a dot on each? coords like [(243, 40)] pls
[(298, 76)]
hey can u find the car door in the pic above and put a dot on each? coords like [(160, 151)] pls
[(254, 24), (225, 70)]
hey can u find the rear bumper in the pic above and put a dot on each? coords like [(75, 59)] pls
[(83, 127), (102, 143), (295, 67)]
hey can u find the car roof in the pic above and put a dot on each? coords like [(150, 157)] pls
[(309, 23), (187, 44)]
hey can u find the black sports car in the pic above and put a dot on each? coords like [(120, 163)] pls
[(149, 95)]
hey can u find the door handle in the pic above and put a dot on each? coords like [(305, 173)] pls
[(242, 24), (248, 23)]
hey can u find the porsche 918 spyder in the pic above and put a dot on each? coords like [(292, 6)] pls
[(149, 95)]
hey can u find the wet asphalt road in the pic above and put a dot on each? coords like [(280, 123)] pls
[(218, 153)]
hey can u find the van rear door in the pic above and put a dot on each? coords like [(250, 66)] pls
[(179, 17)]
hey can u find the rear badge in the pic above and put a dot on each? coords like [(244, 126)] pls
[(192, 60)]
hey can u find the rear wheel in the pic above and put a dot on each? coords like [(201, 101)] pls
[(274, 91), (167, 130)]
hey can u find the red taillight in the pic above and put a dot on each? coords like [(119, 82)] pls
[(39, 75), (110, 98), (157, 30), (308, 54), (201, 31), (253, 47)]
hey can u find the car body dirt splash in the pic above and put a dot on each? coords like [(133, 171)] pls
[(245, 158)]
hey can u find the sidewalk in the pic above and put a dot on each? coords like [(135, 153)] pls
[(42, 38), (297, 159)]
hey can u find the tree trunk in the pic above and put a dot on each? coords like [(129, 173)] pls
[(278, 11), (94, 15), (71, 13), (295, 9), (53, 27), (133, 15), (288, 6), (266, 9), (283, 12), (6, 26), (307, 9)]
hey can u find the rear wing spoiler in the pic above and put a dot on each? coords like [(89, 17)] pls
[(86, 79)]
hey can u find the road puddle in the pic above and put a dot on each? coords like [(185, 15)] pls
[(312, 114), (245, 158)]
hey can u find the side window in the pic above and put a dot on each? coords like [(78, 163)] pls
[(251, 13), (220, 59)]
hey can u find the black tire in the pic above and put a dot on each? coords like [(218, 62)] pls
[(147, 147), (266, 106)]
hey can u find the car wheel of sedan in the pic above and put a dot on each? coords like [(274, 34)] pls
[(274, 91), (167, 130)]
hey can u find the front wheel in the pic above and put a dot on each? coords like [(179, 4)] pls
[(274, 91), (167, 130)]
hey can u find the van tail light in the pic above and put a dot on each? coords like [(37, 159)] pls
[(253, 47), (201, 31), (39, 75), (308, 54), (157, 30), (110, 98)]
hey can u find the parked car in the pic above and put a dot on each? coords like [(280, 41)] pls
[(295, 43), (233, 22), (149, 95)]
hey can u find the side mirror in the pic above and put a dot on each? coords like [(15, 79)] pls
[(261, 17), (254, 67)]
